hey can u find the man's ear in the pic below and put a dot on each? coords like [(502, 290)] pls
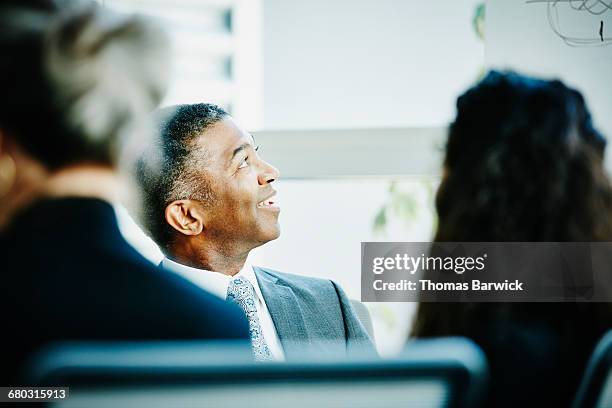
[(185, 216)]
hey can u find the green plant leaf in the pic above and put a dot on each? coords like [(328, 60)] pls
[(380, 221)]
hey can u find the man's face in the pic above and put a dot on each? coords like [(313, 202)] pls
[(242, 210)]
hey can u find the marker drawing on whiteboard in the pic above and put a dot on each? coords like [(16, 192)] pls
[(560, 12)]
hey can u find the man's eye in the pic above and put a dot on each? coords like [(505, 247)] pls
[(244, 163)]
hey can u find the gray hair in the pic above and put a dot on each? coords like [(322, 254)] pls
[(97, 76)]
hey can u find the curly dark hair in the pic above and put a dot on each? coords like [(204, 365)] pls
[(523, 163)]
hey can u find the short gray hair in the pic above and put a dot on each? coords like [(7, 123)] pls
[(172, 167)]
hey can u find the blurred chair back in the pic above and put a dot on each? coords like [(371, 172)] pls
[(596, 387), (448, 373), (363, 314)]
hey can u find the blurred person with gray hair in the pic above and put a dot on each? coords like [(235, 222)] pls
[(77, 84)]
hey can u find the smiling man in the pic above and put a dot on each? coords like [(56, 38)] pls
[(208, 200)]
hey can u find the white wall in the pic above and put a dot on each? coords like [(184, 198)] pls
[(349, 65), (366, 63)]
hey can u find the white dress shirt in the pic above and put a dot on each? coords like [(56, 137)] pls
[(217, 284)]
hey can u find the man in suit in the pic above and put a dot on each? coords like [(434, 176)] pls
[(208, 201)]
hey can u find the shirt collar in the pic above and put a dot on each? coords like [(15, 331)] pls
[(213, 282)]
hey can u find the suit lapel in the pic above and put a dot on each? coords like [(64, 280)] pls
[(284, 309)]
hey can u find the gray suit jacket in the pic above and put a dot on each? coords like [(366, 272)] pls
[(312, 315)]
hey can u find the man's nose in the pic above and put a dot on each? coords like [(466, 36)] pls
[(268, 173)]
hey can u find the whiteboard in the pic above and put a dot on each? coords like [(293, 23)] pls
[(569, 40)]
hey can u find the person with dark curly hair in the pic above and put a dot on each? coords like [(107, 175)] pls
[(523, 164)]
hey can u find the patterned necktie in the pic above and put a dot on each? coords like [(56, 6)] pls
[(241, 292)]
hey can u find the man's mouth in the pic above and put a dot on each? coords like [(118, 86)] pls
[(269, 202), (266, 203)]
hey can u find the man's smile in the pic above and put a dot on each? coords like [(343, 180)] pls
[(269, 203)]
